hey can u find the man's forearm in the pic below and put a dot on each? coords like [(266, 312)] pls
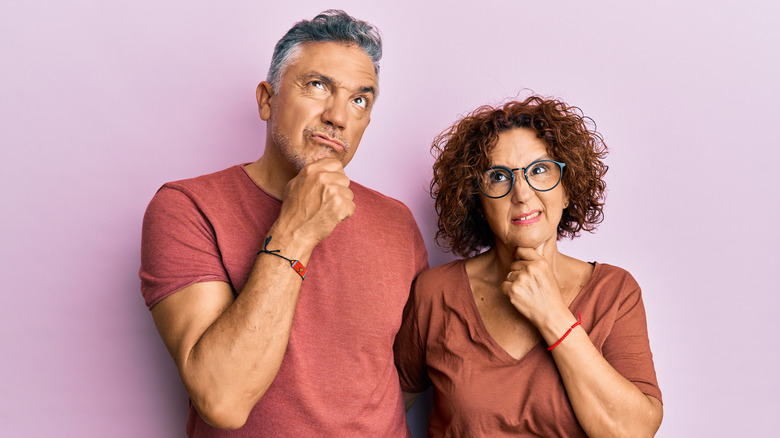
[(230, 366)]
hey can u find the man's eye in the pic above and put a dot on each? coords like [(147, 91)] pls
[(317, 84), (361, 101)]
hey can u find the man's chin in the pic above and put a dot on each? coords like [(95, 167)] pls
[(329, 153)]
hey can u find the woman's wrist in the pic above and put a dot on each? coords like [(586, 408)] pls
[(553, 328)]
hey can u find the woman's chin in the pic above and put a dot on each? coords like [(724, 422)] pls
[(530, 243)]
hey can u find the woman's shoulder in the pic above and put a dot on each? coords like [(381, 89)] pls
[(610, 283), (609, 288), (445, 286), (605, 272), (443, 272)]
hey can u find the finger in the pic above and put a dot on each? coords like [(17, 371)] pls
[(509, 276), (337, 191), (323, 175), (506, 288), (342, 203), (527, 254), (350, 210), (326, 164)]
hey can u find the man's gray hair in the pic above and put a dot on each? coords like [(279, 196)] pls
[(332, 25)]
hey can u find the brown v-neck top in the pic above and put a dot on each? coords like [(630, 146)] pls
[(479, 389)]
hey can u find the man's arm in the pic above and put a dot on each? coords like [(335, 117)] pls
[(229, 351)]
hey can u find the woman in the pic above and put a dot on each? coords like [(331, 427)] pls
[(520, 339)]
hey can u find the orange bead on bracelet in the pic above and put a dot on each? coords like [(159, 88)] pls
[(579, 321), (296, 265)]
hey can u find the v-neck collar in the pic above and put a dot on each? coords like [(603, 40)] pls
[(495, 347)]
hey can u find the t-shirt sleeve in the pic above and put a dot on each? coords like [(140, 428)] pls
[(420, 252), (627, 348), (409, 350), (178, 246)]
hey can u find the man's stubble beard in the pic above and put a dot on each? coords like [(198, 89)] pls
[(284, 144), (296, 158)]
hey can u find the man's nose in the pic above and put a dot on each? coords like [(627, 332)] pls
[(335, 112)]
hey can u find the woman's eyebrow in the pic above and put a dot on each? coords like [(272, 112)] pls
[(540, 158)]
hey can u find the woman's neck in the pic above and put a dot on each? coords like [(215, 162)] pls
[(500, 257)]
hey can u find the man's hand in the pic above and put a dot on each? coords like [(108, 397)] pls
[(225, 366), (315, 201)]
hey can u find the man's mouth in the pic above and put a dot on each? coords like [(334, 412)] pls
[(334, 143)]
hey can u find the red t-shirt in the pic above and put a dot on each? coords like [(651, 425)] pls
[(482, 391), (337, 377)]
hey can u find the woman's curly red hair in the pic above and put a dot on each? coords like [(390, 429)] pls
[(462, 153)]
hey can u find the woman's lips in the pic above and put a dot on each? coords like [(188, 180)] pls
[(528, 218)]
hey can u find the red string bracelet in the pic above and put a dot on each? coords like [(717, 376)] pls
[(579, 321), (296, 265)]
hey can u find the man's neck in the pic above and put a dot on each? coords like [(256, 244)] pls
[(270, 175)]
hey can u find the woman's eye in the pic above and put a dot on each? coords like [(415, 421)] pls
[(539, 169), (497, 176)]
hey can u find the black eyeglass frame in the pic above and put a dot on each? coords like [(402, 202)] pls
[(525, 176)]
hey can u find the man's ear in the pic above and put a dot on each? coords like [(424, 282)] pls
[(265, 94)]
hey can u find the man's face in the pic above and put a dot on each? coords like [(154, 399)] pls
[(323, 104)]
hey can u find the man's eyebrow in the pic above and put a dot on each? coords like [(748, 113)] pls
[(371, 90), (317, 76), (330, 81)]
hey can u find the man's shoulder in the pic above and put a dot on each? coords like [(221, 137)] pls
[(208, 193), (222, 178), (364, 194)]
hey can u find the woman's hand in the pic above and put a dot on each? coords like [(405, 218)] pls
[(604, 401), (532, 287)]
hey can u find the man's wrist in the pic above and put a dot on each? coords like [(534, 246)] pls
[(296, 265), (292, 244)]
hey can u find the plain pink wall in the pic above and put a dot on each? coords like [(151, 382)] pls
[(102, 102)]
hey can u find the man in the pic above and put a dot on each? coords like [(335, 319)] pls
[(278, 286)]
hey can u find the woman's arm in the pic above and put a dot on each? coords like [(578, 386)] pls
[(606, 403)]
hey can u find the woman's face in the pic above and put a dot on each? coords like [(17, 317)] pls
[(524, 217)]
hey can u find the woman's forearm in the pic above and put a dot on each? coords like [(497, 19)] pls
[(606, 403)]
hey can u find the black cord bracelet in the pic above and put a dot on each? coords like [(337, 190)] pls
[(296, 265)]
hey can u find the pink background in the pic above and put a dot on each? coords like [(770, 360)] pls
[(102, 102)]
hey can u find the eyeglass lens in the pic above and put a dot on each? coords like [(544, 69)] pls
[(541, 176)]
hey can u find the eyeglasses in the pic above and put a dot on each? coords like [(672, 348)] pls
[(542, 176)]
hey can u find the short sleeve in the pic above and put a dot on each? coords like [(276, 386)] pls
[(178, 246), (627, 348), (420, 252), (409, 350)]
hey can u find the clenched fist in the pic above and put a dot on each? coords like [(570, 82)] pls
[(315, 201)]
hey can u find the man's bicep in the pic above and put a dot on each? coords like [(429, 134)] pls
[(182, 317), (178, 246)]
